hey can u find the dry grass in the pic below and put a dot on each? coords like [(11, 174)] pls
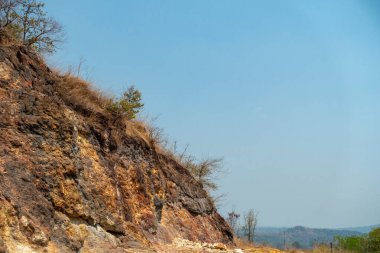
[(138, 129), (82, 95), (252, 248), (243, 244), (326, 249), (8, 40)]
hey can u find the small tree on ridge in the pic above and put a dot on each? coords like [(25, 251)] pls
[(129, 105)]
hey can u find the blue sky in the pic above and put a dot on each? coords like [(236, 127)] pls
[(288, 92)]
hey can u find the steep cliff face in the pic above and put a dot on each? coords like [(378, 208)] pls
[(75, 179)]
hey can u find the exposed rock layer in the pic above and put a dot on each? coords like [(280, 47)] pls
[(73, 179)]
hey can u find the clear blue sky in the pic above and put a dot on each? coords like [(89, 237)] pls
[(288, 92)]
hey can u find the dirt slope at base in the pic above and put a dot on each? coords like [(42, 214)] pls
[(184, 246)]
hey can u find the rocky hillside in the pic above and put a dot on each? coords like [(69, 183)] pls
[(75, 178)]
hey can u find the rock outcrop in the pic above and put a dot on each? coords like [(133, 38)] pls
[(75, 179)]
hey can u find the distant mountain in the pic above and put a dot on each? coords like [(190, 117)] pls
[(298, 237), (363, 230), (270, 230)]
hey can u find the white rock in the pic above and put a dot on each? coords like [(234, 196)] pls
[(24, 221)]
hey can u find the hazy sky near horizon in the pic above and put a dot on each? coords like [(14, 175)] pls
[(288, 92)]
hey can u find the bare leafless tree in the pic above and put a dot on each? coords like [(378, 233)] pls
[(250, 222), (8, 12), (27, 22), (204, 171), (232, 220)]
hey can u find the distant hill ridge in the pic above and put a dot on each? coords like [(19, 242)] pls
[(303, 237), (363, 229)]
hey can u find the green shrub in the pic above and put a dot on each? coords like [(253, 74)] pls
[(365, 243), (352, 243), (374, 240), (129, 105)]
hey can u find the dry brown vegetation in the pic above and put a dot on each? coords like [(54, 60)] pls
[(82, 95), (241, 243), (326, 249), (252, 248), (85, 98)]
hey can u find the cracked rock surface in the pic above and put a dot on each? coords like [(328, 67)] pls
[(74, 179)]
